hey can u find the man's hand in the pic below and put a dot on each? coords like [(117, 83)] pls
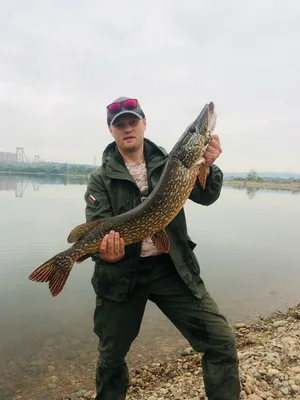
[(112, 247), (213, 151)]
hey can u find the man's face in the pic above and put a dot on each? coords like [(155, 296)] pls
[(128, 132)]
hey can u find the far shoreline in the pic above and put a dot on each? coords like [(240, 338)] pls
[(294, 186), (41, 173)]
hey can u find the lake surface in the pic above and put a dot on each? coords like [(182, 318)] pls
[(248, 247)]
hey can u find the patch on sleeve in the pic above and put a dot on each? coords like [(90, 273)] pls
[(91, 199)]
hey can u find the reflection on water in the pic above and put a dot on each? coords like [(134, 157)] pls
[(19, 183), (248, 253), (251, 191)]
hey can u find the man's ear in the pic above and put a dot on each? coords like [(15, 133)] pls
[(145, 122)]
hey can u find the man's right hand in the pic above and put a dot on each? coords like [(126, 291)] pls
[(112, 247)]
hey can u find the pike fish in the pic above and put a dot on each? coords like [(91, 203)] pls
[(185, 164)]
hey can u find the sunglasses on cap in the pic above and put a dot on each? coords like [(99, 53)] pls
[(128, 104)]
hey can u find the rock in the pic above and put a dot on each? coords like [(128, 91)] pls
[(276, 382), (239, 325), (186, 352), (295, 369), (263, 386), (51, 385), (295, 388), (273, 372), (254, 397), (273, 358), (288, 341), (258, 376), (90, 395), (247, 389), (276, 324), (80, 393), (284, 390), (164, 391), (243, 355)]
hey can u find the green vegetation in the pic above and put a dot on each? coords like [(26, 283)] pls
[(253, 176), (47, 168)]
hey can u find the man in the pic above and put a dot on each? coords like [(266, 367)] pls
[(125, 278)]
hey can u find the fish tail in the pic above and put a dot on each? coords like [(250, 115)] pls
[(55, 271)]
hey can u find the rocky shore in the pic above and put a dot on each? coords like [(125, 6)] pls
[(269, 353)]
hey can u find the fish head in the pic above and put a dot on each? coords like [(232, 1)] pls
[(197, 136)]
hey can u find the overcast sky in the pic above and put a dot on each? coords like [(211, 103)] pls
[(62, 62)]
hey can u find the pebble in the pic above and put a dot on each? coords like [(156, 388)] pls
[(295, 369), (254, 397), (295, 388), (240, 325), (80, 393), (277, 324)]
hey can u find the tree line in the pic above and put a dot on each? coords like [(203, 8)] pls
[(253, 176), (48, 168)]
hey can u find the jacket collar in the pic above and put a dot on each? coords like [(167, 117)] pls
[(114, 164)]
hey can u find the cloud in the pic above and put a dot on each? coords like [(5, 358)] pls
[(62, 62)]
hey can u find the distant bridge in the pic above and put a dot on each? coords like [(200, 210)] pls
[(18, 157), (17, 185), (22, 157)]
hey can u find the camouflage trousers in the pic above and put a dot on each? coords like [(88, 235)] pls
[(198, 319)]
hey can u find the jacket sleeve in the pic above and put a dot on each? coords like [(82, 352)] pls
[(96, 200), (212, 190), (97, 204)]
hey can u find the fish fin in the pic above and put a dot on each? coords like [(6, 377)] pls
[(161, 241), (202, 175), (80, 259), (80, 231), (55, 271)]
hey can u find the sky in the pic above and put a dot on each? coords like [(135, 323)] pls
[(63, 61)]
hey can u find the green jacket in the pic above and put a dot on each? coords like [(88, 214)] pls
[(116, 192)]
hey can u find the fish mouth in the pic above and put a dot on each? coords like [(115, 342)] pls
[(206, 119)]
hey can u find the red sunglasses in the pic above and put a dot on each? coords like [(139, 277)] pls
[(128, 104)]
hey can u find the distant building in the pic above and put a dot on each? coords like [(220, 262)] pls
[(7, 157)]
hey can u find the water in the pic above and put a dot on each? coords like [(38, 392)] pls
[(248, 247)]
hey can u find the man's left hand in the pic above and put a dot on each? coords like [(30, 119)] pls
[(213, 151)]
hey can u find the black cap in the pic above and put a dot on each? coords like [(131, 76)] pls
[(138, 112)]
